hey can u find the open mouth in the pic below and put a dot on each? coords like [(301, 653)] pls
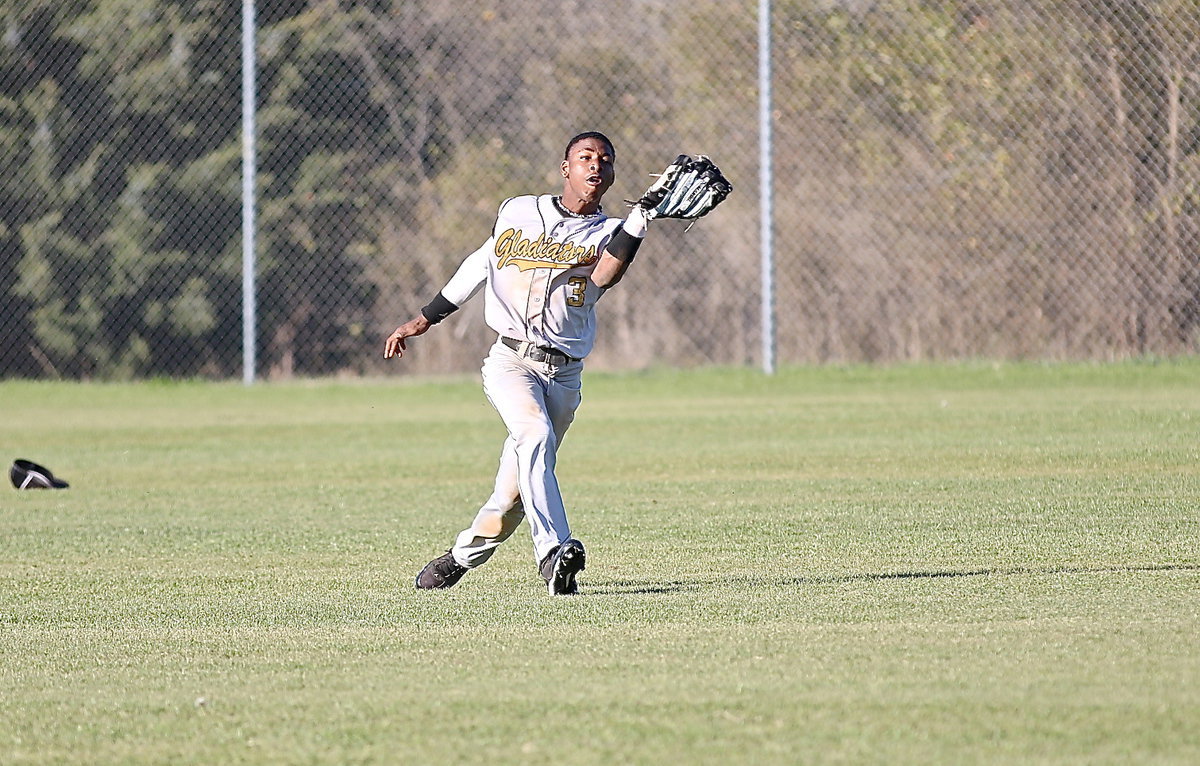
[(593, 180)]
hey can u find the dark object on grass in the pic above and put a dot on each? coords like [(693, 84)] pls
[(26, 474)]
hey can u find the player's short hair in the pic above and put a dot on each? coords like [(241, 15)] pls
[(589, 134)]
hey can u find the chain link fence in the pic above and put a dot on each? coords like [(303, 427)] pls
[(953, 179)]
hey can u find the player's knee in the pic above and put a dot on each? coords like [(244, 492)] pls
[(498, 525), (536, 437), (489, 525)]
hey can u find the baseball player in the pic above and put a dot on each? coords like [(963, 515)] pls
[(548, 260)]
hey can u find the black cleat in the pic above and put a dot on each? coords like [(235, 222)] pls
[(443, 572), (560, 566)]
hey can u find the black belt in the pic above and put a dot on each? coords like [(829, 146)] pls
[(540, 354)]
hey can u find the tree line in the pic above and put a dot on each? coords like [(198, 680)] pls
[(953, 178)]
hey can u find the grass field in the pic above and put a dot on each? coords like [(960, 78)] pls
[(934, 565)]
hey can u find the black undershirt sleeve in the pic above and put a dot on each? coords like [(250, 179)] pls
[(438, 309), (623, 246)]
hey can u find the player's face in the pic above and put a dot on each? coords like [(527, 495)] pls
[(588, 170)]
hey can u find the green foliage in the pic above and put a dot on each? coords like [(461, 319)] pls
[(932, 125)]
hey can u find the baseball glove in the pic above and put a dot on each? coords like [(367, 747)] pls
[(687, 189)]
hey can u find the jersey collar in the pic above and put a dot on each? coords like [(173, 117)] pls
[(562, 209)]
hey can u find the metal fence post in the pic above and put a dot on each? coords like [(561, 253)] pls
[(249, 170), (766, 212)]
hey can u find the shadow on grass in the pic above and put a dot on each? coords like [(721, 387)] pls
[(652, 587)]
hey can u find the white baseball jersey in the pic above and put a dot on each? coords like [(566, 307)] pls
[(537, 267)]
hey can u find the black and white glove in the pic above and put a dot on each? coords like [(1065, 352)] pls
[(687, 189)]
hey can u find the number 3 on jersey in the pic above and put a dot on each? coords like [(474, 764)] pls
[(578, 286)]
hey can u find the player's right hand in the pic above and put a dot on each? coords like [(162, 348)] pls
[(395, 345)]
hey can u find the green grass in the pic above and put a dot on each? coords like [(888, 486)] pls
[(948, 565)]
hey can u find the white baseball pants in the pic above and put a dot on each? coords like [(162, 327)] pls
[(537, 403)]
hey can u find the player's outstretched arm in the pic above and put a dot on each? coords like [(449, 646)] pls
[(462, 286), (395, 345), (618, 255), (609, 271)]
